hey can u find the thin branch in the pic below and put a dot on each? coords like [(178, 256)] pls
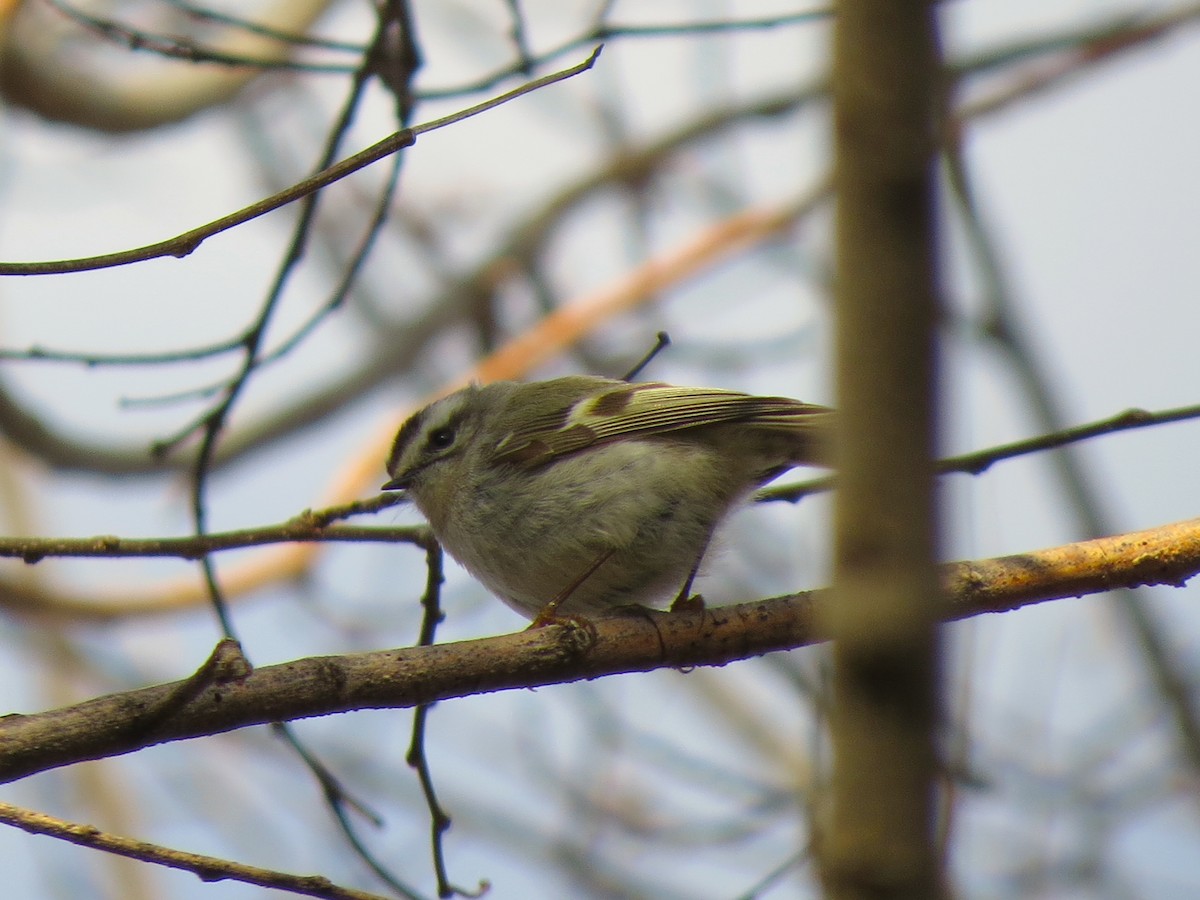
[(350, 274), (251, 27), (341, 803), (181, 48), (417, 758), (1130, 419), (206, 868), (386, 58), (44, 354), (184, 244), (34, 550), (602, 33), (980, 461)]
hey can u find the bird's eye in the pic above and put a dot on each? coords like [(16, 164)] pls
[(441, 438)]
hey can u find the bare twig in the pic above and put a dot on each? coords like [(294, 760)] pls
[(184, 244), (252, 27), (188, 50), (206, 868), (33, 550), (417, 758), (980, 461)]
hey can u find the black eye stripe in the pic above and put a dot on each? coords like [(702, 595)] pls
[(405, 437), (418, 434)]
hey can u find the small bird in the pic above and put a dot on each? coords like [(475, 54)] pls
[(582, 495)]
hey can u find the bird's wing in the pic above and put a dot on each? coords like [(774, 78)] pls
[(631, 410)]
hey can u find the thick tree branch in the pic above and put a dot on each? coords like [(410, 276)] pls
[(221, 697)]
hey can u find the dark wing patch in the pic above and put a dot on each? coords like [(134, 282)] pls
[(612, 402)]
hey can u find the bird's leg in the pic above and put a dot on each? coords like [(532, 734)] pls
[(549, 614), (686, 601)]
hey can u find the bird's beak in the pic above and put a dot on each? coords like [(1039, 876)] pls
[(398, 483)]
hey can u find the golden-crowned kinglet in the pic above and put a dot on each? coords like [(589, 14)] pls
[(587, 494)]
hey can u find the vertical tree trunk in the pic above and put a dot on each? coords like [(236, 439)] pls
[(879, 839)]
